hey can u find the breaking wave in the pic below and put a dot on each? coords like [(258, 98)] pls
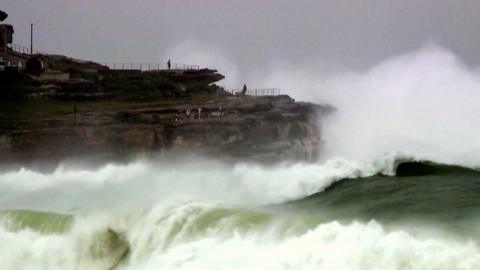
[(184, 234)]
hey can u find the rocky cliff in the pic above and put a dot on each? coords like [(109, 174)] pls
[(252, 128)]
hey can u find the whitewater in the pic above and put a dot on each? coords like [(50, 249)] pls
[(346, 211)]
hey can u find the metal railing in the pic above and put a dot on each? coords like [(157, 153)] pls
[(24, 50), (149, 66), (257, 92), (119, 66)]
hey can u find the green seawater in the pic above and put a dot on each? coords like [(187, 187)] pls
[(448, 200), (42, 222)]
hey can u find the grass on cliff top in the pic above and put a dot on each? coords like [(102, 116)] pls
[(142, 88), (16, 114), (19, 112)]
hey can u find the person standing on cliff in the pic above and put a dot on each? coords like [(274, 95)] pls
[(169, 64), (220, 109), (244, 90)]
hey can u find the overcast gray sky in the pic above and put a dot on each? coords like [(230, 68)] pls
[(250, 35)]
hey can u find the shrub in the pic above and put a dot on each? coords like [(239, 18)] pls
[(127, 117), (148, 87), (201, 89)]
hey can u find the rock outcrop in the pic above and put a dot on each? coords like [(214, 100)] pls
[(3, 15), (251, 128)]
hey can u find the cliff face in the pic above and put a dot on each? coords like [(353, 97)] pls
[(252, 128)]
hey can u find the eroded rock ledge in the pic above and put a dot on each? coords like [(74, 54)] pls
[(252, 128)]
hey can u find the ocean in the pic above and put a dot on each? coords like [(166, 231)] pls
[(204, 214)]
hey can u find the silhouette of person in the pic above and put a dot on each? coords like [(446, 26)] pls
[(169, 64), (244, 90), (220, 109), (199, 113)]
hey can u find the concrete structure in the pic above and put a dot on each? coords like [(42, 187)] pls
[(7, 52), (6, 35), (3, 15)]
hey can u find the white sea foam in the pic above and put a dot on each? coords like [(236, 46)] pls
[(328, 246), (189, 234), (85, 247)]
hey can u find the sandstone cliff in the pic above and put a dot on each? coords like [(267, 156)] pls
[(252, 128)]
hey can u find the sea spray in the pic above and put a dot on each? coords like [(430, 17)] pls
[(422, 104)]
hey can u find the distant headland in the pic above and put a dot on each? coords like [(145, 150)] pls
[(54, 107)]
